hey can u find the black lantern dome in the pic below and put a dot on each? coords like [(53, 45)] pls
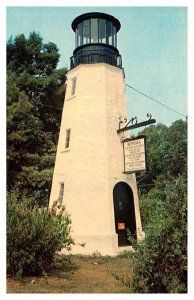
[(96, 39)]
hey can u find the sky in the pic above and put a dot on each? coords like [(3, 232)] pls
[(152, 42)]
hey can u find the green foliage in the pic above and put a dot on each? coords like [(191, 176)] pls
[(34, 235), (64, 263), (30, 153), (31, 55), (166, 153), (160, 262), (35, 94)]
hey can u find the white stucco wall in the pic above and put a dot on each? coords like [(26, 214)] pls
[(93, 164)]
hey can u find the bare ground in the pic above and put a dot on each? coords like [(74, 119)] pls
[(86, 274)]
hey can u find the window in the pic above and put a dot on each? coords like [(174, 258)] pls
[(86, 31), (94, 30), (80, 34), (76, 37), (61, 192), (73, 86), (109, 33), (67, 140), (102, 31), (120, 205), (114, 36)]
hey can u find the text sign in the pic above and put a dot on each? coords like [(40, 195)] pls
[(121, 226), (134, 155)]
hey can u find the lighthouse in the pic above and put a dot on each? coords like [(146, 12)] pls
[(89, 177)]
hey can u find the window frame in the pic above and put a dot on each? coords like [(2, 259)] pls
[(61, 192), (67, 138), (73, 85)]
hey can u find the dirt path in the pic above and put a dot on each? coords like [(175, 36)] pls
[(86, 275)]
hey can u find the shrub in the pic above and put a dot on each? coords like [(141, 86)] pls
[(160, 262), (34, 235)]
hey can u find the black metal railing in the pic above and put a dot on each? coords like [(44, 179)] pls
[(97, 55)]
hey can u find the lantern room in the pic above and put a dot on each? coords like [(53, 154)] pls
[(96, 39)]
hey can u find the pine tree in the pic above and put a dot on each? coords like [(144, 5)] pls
[(35, 93)]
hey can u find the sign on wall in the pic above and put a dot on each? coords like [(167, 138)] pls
[(121, 226), (134, 155)]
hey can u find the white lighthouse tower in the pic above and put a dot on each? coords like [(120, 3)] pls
[(89, 176)]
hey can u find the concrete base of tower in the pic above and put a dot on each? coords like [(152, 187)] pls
[(97, 245)]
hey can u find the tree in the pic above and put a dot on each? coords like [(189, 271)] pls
[(35, 94), (166, 153), (160, 262), (31, 55)]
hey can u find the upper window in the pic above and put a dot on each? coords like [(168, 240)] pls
[(67, 140), (73, 87)]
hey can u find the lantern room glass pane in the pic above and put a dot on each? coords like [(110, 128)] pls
[(86, 31), (94, 30), (76, 38), (102, 31), (80, 34), (109, 33), (114, 36)]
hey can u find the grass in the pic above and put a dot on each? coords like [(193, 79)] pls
[(85, 274)]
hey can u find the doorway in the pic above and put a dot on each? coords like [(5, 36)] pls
[(124, 212)]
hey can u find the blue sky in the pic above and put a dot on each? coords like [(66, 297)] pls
[(153, 45), (152, 42)]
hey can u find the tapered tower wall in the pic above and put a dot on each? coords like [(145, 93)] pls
[(93, 163)]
